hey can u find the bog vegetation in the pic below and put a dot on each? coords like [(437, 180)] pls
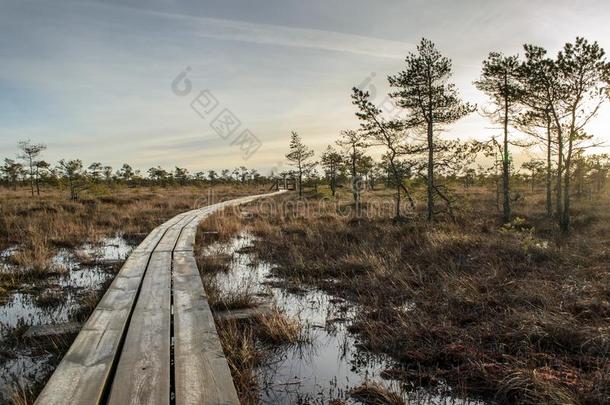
[(471, 270)]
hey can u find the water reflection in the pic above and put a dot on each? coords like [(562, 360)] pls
[(50, 301), (332, 363)]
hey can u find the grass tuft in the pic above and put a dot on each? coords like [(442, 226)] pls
[(372, 393)]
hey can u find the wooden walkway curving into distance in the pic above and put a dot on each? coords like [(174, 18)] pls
[(124, 352)]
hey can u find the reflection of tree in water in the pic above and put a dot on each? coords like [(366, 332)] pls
[(330, 361)]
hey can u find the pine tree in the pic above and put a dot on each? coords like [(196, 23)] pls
[(500, 80), (300, 158), (424, 90)]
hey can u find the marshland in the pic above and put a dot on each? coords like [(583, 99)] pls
[(467, 311), (322, 299), (426, 211)]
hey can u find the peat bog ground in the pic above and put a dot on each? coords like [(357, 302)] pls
[(460, 310), (58, 256)]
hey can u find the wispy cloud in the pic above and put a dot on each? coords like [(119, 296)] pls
[(297, 37), (280, 35)]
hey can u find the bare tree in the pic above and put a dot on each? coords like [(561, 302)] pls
[(333, 164), (536, 168), (30, 151), (72, 170), (95, 171), (212, 176), (12, 171), (125, 173), (107, 171), (181, 175), (540, 94), (300, 158), (599, 169), (571, 88), (389, 134), (353, 142), (42, 168)]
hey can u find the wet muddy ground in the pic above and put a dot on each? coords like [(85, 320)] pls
[(63, 299), (332, 362)]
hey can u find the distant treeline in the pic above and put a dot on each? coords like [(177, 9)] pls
[(536, 101), (29, 169), (338, 167)]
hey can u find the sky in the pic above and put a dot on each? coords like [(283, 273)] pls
[(99, 80)]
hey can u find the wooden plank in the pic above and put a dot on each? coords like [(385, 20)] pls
[(83, 373), (151, 241), (143, 372), (202, 375), (168, 242), (186, 241), (52, 329), (246, 313), (142, 368)]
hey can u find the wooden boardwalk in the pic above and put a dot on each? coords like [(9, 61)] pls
[(151, 339)]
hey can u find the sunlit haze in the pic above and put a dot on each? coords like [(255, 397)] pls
[(92, 80)]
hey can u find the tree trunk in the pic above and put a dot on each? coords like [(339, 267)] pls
[(430, 172), (37, 182), (31, 176), (399, 184), (300, 183), (549, 195), (497, 182), (505, 167), (497, 193), (354, 193), (565, 215), (559, 203), (397, 201)]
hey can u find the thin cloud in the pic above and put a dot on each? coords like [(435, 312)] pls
[(297, 37), (280, 35)]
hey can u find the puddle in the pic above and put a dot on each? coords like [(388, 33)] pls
[(109, 249), (329, 366), (75, 279), (6, 253), (22, 308), (5, 256), (53, 300), (23, 370)]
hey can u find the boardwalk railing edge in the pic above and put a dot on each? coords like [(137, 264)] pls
[(123, 352)]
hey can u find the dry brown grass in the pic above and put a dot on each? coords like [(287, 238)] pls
[(22, 395), (39, 226), (517, 313), (372, 393), (42, 224), (246, 344), (238, 298), (243, 355), (276, 328), (220, 227), (214, 263)]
